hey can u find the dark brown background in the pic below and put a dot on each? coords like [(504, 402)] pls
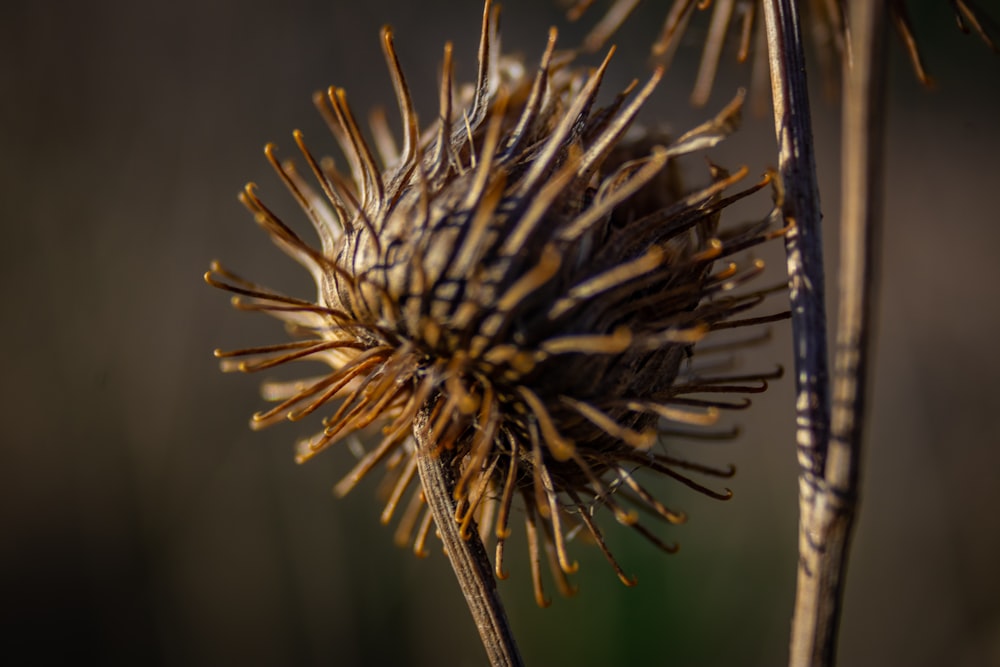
[(141, 522)]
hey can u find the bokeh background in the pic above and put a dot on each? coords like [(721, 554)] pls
[(141, 522)]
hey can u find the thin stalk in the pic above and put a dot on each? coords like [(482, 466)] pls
[(829, 456), (812, 629), (860, 232), (804, 241), (468, 556)]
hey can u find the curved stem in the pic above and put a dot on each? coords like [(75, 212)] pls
[(468, 556)]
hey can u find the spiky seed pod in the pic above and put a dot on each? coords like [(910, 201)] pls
[(527, 280), (827, 23)]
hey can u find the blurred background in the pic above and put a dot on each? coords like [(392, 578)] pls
[(142, 522)]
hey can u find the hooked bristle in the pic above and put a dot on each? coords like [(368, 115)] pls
[(828, 25)]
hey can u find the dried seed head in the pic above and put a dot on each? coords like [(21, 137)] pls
[(524, 277)]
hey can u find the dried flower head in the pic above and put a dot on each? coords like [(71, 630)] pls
[(523, 281), (827, 23)]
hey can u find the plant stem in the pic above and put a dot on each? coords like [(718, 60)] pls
[(828, 456), (468, 556), (803, 243), (862, 178), (804, 250), (861, 207)]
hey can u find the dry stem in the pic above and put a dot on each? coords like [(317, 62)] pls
[(800, 206), (803, 243), (468, 557), (861, 206), (828, 455)]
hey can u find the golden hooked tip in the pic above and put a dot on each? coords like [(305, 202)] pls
[(627, 518), (646, 439), (712, 250), (258, 422)]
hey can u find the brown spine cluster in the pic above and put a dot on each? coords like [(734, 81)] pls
[(527, 281)]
